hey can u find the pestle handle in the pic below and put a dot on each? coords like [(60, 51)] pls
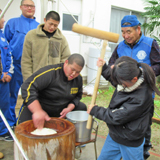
[(94, 96)]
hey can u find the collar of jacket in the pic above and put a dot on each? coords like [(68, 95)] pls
[(132, 88), (57, 35), (27, 19), (65, 79)]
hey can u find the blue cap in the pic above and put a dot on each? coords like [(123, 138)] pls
[(132, 19)]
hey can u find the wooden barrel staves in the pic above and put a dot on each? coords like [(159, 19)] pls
[(60, 146)]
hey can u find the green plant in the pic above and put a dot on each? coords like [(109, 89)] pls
[(99, 90), (157, 109), (152, 15)]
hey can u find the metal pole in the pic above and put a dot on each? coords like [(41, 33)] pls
[(5, 9), (13, 135)]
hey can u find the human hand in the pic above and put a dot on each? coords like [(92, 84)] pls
[(69, 108), (112, 66), (39, 118), (4, 77), (100, 62), (64, 112), (89, 108), (8, 78)]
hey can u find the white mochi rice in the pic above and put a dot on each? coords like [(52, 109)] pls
[(43, 132)]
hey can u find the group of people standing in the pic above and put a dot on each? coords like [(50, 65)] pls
[(25, 30), (12, 48), (45, 39), (37, 58)]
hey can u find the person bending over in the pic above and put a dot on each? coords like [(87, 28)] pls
[(53, 91)]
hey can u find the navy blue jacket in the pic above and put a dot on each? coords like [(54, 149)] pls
[(127, 115)]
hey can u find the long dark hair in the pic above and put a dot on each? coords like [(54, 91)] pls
[(126, 68)]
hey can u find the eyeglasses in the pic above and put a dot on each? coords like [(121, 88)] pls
[(28, 6)]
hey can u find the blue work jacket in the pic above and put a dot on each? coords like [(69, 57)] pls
[(15, 31)]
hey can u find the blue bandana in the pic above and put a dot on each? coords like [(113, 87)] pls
[(132, 19)]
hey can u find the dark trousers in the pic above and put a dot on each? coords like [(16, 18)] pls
[(25, 114)]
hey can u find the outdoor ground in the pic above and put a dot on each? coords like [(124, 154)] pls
[(103, 99)]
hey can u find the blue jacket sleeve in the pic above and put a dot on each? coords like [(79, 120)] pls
[(8, 31), (0, 65)]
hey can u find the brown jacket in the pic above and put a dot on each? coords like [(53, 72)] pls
[(40, 51)]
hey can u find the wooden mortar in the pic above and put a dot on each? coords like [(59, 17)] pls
[(60, 146)]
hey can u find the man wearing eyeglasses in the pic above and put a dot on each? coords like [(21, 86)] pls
[(15, 31)]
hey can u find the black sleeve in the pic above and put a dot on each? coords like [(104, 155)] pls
[(127, 109), (35, 83), (106, 72), (113, 57), (155, 58)]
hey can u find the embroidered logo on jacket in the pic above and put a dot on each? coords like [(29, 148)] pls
[(141, 55), (74, 90)]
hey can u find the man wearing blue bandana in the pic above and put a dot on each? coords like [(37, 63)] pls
[(15, 31), (144, 50)]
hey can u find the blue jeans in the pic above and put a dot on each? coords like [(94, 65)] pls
[(115, 151)]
